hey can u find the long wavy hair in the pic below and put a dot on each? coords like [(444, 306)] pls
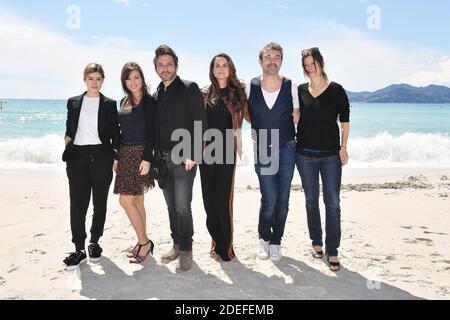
[(126, 71), (236, 96)]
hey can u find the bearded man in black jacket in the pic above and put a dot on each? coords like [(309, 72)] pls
[(180, 109)]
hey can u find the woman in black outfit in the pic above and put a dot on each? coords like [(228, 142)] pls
[(137, 116), (322, 151), (92, 138), (226, 105)]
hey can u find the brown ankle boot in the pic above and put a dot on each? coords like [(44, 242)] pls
[(185, 261), (171, 255)]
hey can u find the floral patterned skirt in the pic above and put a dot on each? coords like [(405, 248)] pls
[(128, 180)]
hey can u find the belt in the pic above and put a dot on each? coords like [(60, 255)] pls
[(132, 144), (90, 147)]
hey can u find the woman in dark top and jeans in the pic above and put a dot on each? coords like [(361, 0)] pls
[(226, 105), (322, 151), (137, 116)]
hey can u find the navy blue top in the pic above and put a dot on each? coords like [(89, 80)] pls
[(132, 123), (279, 117), (137, 126)]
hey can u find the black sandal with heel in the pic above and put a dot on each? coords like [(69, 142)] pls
[(132, 253), (137, 257)]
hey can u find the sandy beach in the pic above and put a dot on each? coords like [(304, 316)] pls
[(395, 236)]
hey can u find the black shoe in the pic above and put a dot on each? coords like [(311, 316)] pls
[(317, 254), (141, 258), (75, 259), (334, 266), (95, 252)]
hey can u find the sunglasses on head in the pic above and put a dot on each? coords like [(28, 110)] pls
[(310, 51)]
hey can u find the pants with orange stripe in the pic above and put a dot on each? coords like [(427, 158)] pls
[(217, 188)]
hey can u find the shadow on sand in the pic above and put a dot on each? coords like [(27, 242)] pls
[(156, 281)]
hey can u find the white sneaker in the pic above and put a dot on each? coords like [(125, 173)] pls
[(263, 250), (275, 252)]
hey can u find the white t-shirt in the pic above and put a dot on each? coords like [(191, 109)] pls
[(87, 132), (271, 97)]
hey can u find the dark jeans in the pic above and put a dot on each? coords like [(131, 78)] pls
[(178, 195), (89, 170), (330, 170), (217, 190), (275, 190)]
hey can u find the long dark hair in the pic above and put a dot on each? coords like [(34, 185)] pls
[(236, 96), (126, 71), (318, 59)]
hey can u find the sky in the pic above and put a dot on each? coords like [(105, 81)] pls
[(367, 45)]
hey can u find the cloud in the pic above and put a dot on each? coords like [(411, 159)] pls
[(123, 2), (283, 4), (424, 78), (41, 63), (358, 60), (51, 63)]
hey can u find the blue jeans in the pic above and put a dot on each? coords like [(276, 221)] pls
[(275, 190), (330, 170)]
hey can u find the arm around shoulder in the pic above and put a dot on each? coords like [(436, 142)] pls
[(150, 116), (196, 104)]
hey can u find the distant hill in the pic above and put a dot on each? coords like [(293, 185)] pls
[(403, 93)]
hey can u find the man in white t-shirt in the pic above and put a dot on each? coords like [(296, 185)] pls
[(274, 109)]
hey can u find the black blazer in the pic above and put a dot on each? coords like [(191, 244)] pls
[(184, 103), (108, 127)]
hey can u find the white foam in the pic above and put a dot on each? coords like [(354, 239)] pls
[(408, 150), (418, 150), (383, 150), (42, 151)]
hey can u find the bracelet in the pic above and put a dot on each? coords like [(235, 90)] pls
[(344, 147)]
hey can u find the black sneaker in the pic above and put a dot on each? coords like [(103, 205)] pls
[(95, 252), (75, 259)]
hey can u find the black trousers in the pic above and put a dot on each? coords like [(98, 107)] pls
[(89, 171), (218, 190)]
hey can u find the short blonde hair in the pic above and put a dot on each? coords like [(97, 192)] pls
[(92, 68)]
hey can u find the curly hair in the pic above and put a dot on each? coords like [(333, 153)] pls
[(163, 50)]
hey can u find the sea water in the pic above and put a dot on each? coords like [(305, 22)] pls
[(381, 135)]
